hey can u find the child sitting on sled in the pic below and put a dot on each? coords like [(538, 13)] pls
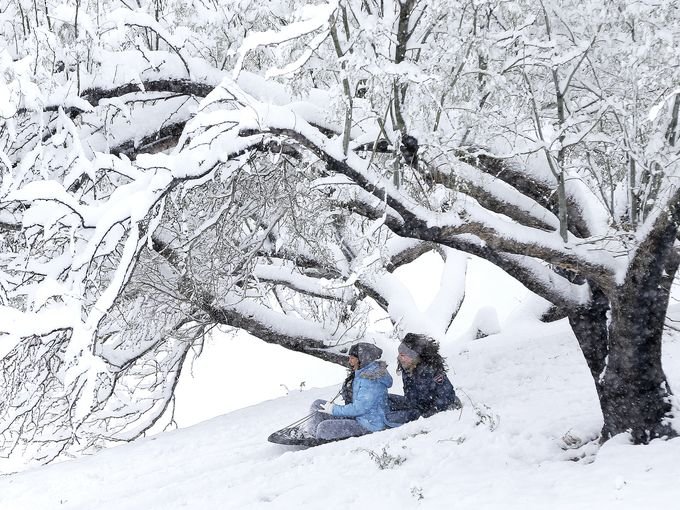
[(364, 393)]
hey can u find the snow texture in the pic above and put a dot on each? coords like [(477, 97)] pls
[(522, 441)]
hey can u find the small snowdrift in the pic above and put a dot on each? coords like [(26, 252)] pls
[(529, 405)]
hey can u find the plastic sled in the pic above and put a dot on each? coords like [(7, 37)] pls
[(295, 436)]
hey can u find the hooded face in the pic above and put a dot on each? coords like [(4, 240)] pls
[(353, 362), (365, 353)]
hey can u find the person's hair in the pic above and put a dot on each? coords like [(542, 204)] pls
[(427, 349)]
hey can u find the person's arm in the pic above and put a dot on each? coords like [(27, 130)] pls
[(442, 393), (362, 403), (412, 397), (397, 402), (446, 395)]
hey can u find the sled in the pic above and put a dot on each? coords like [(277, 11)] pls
[(295, 436), (296, 433)]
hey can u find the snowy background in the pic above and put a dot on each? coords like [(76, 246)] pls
[(151, 190), (522, 441), (215, 385)]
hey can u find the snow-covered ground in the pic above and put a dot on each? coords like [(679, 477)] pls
[(529, 403)]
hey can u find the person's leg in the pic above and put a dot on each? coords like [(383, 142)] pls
[(317, 417), (339, 428), (396, 418)]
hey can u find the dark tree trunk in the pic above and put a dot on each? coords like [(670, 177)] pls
[(634, 392), (623, 351), (624, 359), (591, 330)]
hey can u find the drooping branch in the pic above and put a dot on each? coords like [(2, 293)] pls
[(163, 139), (261, 322), (404, 251), (496, 195), (419, 223), (293, 279), (182, 86), (537, 276)]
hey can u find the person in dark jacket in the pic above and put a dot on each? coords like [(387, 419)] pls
[(427, 389), (363, 410)]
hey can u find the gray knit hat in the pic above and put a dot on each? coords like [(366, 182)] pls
[(405, 349)]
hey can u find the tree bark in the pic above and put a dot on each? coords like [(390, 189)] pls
[(625, 357), (634, 392)]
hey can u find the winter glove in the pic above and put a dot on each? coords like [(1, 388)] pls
[(327, 407)]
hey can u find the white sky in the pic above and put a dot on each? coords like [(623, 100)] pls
[(237, 371)]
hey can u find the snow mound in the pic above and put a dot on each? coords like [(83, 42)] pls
[(522, 441)]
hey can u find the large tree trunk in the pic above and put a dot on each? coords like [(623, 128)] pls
[(623, 351), (624, 359), (634, 392)]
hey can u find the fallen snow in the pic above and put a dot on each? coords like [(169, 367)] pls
[(527, 393)]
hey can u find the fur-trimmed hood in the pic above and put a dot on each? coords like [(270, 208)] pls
[(375, 371)]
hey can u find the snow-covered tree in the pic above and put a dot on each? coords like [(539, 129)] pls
[(542, 140), (172, 166), (116, 263)]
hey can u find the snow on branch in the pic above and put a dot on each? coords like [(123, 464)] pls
[(419, 222), (141, 19), (312, 18)]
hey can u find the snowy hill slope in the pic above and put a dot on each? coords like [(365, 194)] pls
[(528, 399)]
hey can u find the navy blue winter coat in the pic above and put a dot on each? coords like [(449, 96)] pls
[(427, 391)]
